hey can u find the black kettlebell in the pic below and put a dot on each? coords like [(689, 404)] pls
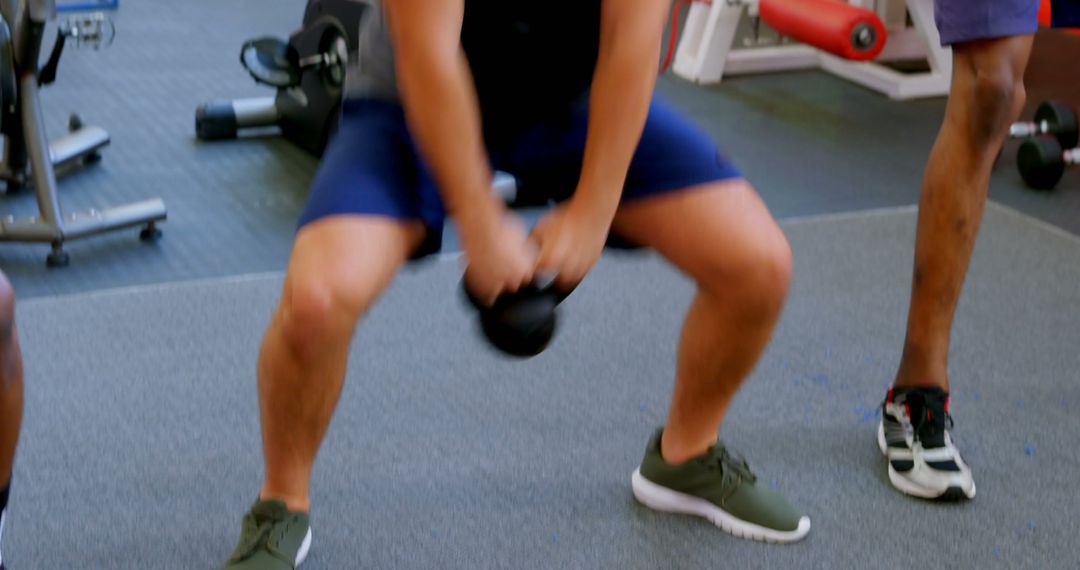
[(522, 323)]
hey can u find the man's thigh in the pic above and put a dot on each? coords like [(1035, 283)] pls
[(716, 228), (372, 168)]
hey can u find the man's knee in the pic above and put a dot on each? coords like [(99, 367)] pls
[(319, 310), (769, 271), (758, 275), (999, 97), (332, 280), (995, 93)]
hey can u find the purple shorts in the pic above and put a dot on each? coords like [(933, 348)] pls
[(960, 21)]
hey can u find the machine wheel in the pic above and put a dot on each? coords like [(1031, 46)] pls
[(58, 257), (150, 233)]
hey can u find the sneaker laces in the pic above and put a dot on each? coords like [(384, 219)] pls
[(733, 469), (258, 534), (933, 419)]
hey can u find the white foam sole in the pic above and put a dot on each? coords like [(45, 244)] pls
[(663, 499), (304, 548), (909, 487)]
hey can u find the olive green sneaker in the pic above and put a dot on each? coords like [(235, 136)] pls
[(720, 488), (273, 538)]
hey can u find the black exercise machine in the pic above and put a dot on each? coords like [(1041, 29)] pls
[(308, 72), (28, 154)]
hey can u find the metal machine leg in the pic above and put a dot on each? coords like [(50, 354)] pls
[(52, 226), (224, 119)]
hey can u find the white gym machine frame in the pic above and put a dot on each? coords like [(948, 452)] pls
[(706, 51)]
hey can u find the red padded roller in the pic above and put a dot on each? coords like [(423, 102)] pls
[(834, 26)]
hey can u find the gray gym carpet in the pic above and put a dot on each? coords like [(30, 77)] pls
[(141, 447), (810, 142)]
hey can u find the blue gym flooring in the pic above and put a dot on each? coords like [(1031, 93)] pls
[(141, 446)]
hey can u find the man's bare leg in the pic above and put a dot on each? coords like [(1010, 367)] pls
[(11, 391), (339, 267), (724, 238), (987, 96)]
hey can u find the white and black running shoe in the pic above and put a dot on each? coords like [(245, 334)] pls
[(914, 437)]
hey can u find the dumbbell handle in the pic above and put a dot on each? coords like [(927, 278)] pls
[(1071, 156), (1028, 129)]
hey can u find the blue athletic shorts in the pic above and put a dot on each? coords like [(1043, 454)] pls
[(373, 167), (960, 21)]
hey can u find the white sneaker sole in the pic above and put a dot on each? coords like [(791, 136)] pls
[(304, 548), (663, 499), (908, 487)]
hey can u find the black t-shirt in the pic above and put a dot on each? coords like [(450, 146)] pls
[(531, 60)]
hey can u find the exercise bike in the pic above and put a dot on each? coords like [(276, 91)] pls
[(30, 158), (308, 72)]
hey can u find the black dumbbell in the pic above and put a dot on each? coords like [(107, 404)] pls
[(522, 323), (1051, 118), (1042, 161)]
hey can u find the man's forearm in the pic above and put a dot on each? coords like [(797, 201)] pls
[(622, 90), (444, 118)]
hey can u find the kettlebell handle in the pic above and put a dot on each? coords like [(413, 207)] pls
[(545, 287)]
